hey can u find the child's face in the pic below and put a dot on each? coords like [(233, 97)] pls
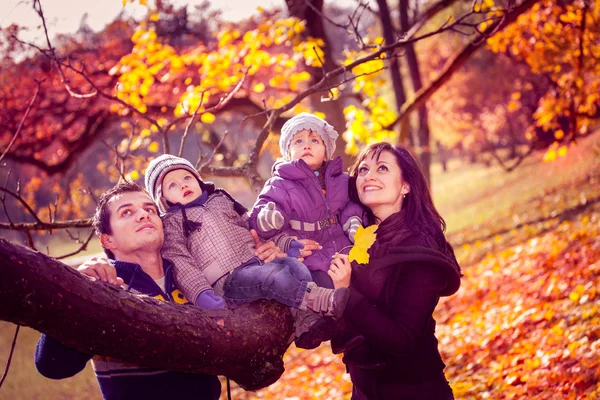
[(180, 186), (309, 146)]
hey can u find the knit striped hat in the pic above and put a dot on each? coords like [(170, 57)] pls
[(309, 122), (156, 171)]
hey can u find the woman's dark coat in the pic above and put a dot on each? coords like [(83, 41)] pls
[(391, 303)]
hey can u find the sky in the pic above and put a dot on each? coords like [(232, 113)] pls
[(64, 16)]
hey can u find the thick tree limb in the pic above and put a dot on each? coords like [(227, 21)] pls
[(245, 344)]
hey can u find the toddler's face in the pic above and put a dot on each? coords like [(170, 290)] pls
[(309, 146), (180, 186)]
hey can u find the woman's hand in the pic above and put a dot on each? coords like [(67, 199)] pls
[(340, 270)]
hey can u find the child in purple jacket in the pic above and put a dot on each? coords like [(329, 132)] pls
[(307, 196)]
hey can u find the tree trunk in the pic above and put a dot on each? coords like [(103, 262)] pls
[(421, 139), (400, 95), (333, 109), (246, 344)]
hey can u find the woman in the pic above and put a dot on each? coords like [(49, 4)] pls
[(388, 339)]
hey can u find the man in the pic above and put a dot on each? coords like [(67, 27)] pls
[(131, 233)]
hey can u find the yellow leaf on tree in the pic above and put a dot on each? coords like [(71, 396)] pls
[(153, 147), (550, 155), (259, 87), (363, 240), (134, 175), (559, 134), (207, 118), (562, 151)]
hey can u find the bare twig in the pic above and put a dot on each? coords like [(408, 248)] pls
[(30, 240), (187, 127), (14, 138), (204, 164), (220, 104), (325, 17), (37, 6), (3, 198), (12, 350), (46, 226), (18, 197), (80, 249)]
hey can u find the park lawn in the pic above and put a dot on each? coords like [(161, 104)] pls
[(525, 321)]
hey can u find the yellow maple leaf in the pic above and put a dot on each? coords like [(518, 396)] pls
[(363, 240)]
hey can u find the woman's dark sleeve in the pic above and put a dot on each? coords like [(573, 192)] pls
[(54, 360), (414, 300)]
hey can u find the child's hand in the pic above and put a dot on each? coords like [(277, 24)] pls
[(295, 249), (340, 270), (309, 247), (100, 268), (351, 226), (208, 299), (269, 218), (266, 252)]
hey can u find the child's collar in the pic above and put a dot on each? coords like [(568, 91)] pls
[(194, 203)]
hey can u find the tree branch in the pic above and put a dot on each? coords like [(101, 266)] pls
[(14, 138), (246, 343), (10, 354), (80, 249)]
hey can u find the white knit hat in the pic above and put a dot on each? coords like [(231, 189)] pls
[(156, 171), (309, 122)]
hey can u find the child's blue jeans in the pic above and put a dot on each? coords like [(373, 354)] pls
[(283, 279)]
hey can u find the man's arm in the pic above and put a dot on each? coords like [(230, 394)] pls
[(54, 360)]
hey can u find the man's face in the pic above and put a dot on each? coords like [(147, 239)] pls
[(134, 223)]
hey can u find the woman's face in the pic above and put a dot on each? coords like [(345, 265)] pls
[(379, 184)]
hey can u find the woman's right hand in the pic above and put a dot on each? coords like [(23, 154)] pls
[(340, 270), (100, 268)]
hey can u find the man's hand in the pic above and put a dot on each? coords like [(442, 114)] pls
[(265, 251), (340, 270), (309, 247), (100, 268)]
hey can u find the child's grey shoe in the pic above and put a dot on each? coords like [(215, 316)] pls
[(327, 302)]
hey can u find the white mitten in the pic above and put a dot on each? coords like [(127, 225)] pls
[(351, 226), (269, 218)]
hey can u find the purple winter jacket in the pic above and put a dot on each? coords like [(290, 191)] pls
[(297, 194)]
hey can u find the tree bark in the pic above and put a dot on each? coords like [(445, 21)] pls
[(421, 139), (399, 93), (333, 109), (246, 344)]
